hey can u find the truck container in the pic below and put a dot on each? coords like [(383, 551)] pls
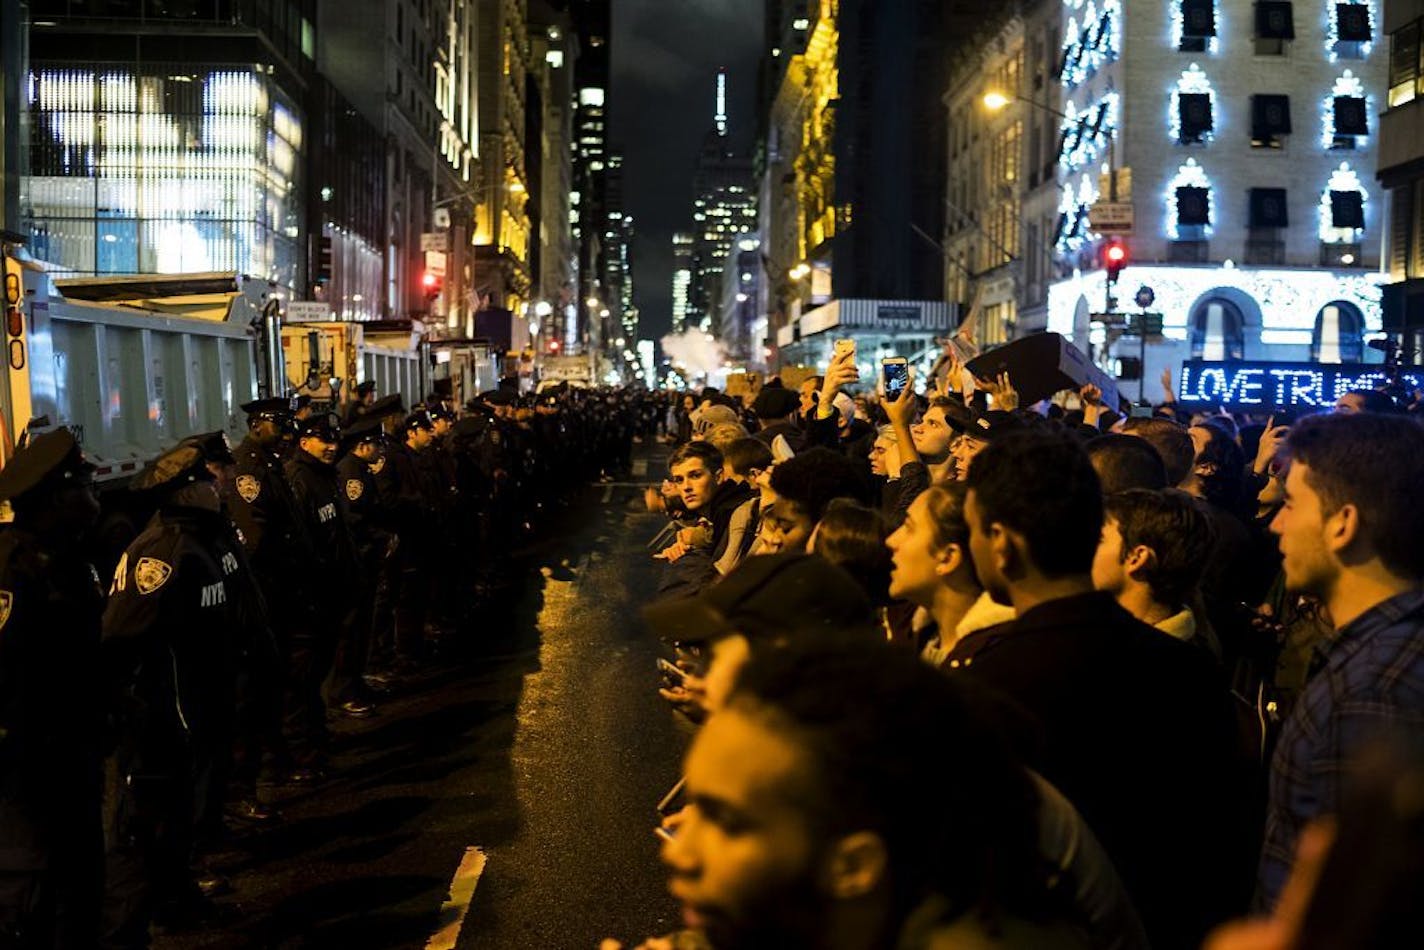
[(328, 360), (134, 364)]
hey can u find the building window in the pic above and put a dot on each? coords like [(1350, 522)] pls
[(1266, 223), (1342, 207), (1190, 120), (1194, 22), (1351, 31), (1339, 334), (1275, 27), (1270, 120), (1351, 120), (1406, 63), (1218, 330)]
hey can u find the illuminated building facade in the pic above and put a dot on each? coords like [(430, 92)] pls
[(1401, 175), (723, 209), (143, 161), (853, 172), (593, 21), (1247, 133), (549, 153), (681, 279), (741, 316), (502, 229)]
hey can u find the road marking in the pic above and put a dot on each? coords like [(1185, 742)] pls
[(608, 494), (462, 891)]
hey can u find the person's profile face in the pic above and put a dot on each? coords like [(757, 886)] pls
[(808, 395), (1300, 531), (883, 454), (1109, 569), (932, 434), (964, 449), (786, 527), (742, 863), (695, 481), (420, 437), (915, 562), (981, 548), (319, 449), (729, 655)]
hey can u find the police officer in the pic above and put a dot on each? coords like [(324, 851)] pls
[(257, 665), (408, 490), (51, 706), (362, 399), (170, 633), (311, 472), (277, 543), (363, 663)]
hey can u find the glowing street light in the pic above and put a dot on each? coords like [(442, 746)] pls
[(994, 101), (800, 271)]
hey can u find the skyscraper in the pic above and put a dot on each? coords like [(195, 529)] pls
[(723, 209), (593, 22), (682, 252)]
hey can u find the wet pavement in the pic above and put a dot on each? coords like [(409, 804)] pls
[(531, 775)]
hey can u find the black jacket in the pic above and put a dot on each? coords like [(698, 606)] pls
[(270, 524), (369, 520), (1137, 729), (315, 490)]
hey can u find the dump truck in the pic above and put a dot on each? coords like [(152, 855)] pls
[(327, 360), (134, 364)]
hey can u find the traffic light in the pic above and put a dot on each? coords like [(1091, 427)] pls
[(430, 285), (554, 346), (1114, 258)]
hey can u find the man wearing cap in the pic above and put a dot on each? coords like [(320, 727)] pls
[(272, 530), (257, 664), (363, 398), (373, 530), (976, 431), (407, 494), (170, 632), (311, 472), (437, 466), (51, 714)]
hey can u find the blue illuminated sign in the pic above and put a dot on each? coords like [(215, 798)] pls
[(1263, 385)]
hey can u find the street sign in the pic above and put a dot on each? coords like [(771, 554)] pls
[(308, 311), (435, 263), (1111, 217), (1151, 323), (1146, 297), (435, 241)]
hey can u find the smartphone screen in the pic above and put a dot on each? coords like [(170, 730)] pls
[(896, 373)]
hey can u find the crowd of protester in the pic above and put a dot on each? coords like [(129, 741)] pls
[(259, 592), (966, 673)]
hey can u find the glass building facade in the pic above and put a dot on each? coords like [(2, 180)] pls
[(164, 168)]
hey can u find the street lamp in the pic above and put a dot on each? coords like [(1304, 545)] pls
[(800, 271), (994, 101)]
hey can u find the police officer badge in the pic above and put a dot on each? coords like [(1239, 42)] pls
[(354, 488), (150, 574), (6, 600), (248, 487)]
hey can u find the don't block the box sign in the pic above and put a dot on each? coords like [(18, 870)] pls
[(1265, 386)]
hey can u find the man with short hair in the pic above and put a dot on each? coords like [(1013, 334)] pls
[(1123, 462), (1349, 535), (804, 486), (1172, 442), (1154, 547), (975, 433), (1366, 400), (1136, 727)]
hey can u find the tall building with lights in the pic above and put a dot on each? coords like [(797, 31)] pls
[(1245, 136), (723, 209), (593, 20), (1401, 175), (549, 140), (160, 141), (852, 177), (682, 243)]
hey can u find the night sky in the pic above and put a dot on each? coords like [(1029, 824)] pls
[(665, 59)]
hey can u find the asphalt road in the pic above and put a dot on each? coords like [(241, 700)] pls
[(530, 774)]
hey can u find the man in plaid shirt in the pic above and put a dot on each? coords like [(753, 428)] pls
[(1350, 535)]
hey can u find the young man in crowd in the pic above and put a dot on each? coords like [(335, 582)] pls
[(742, 463), (1123, 462), (804, 486), (1154, 547), (1349, 534), (1172, 443), (1135, 726)]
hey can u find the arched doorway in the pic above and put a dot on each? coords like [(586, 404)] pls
[(1218, 330), (1339, 335)]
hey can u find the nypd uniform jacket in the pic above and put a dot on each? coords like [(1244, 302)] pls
[(51, 712), (169, 631), (265, 513), (314, 488), (370, 521)]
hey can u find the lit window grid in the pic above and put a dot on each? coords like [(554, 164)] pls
[(1176, 24), (119, 185), (1094, 44)]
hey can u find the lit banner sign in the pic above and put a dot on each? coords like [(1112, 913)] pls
[(1268, 385)]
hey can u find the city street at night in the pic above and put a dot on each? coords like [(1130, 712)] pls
[(526, 783)]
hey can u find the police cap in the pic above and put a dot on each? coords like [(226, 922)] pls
[(300, 401), (278, 407), (179, 466), (387, 406), (323, 426), (439, 410), (369, 386), (498, 397), (368, 429), (215, 446), (49, 458), (420, 419)]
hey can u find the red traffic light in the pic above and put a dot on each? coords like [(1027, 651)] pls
[(429, 281), (1114, 258), (553, 346), (1117, 254)]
